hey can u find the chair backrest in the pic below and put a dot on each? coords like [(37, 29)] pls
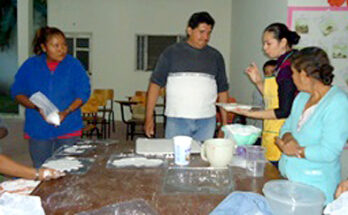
[(139, 96), (103, 96), (138, 110), (91, 106)]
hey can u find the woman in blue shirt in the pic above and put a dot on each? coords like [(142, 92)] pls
[(316, 131), (62, 79)]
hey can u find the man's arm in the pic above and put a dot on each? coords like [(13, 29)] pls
[(151, 99), (223, 98)]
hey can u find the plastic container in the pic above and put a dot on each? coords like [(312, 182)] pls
[(254, 153), (255, 160), (256, 168), (293, 198), (242, 134)]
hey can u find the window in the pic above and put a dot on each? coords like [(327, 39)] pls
[(79, 47), (149, 48)]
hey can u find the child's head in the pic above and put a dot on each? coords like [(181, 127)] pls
[(269, 67)]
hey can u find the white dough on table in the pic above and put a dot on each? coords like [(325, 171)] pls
[(64, 164), (137, 162)]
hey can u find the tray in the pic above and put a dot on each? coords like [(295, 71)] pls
[(117, 161), (161, 147), (198, 180)]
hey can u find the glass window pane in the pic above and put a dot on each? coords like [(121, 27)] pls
[(83, 56), (70, 44), (82, 42), (156, 45)]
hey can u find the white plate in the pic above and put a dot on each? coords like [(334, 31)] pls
[(232, 106)]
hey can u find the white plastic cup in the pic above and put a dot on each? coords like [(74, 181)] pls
[(256, 168), (182, 149)]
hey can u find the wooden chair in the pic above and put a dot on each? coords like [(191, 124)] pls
[(105, 98), (136, 108), (160, 110), (90, 118)]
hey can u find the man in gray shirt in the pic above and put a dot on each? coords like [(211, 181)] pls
[(194, 76)]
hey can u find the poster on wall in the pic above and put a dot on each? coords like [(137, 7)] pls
[(325, 27)]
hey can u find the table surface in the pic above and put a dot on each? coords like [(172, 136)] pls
[(101, 186)]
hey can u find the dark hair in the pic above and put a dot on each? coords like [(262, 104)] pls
[(200, 17), (315, 62), (43, 35), (269, 63), (280, 31)]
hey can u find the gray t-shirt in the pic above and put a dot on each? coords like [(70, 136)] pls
[(181, 57)]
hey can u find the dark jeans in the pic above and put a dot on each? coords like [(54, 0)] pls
[(40, 150)]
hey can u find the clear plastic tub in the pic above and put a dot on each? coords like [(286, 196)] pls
[(198, 180), (292, 198), (133, 207)]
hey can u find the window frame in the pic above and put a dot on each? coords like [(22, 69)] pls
[(79, 35), (179, 38)]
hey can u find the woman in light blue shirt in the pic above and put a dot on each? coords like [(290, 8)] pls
[(314, 135)]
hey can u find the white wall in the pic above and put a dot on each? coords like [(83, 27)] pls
[(114, 24), (249, 19), (302, 3)]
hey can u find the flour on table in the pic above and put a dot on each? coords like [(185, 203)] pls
[(77, 148), (137, 162), (20, 186), (64, 164)]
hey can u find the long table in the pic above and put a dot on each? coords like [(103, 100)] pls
[(101, 186)]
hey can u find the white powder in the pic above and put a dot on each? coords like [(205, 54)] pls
[(64, 164), (137, 162), (18, 184), (53, 118), (77, 148)]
